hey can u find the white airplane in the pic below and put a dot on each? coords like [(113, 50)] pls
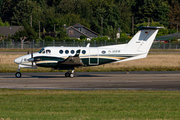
[(67, 58)]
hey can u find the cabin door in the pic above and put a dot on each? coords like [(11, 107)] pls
[(93, 56)]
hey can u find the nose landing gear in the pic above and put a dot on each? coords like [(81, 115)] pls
[(18, 74)]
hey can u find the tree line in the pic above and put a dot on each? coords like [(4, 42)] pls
[(115, 13)]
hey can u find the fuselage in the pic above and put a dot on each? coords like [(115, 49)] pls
[(90, 56)]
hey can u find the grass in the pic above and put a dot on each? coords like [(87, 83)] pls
[(95, 105), (153, 62), (164, 50), (18, 50)]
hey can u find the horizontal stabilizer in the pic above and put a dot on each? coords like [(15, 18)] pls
[(150, 28)]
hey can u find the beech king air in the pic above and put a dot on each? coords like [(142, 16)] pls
[(67, 58)]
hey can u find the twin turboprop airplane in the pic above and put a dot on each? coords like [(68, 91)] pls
[(67, 58)]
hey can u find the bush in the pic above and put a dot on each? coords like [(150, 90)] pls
[(100, 39), (48, 38), (82, 37)]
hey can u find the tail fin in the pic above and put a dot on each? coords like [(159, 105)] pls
[(143, 39)]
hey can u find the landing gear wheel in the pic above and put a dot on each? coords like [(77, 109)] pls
[(18, 74), (71, 75), (67, 74)]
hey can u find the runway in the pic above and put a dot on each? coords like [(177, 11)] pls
[(94, 81)]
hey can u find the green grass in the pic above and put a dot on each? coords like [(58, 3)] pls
[(91, 105)]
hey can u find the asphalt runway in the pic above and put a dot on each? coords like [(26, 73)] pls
[(94, 81)]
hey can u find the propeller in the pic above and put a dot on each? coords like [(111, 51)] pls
[(32, 56), (31, 59)]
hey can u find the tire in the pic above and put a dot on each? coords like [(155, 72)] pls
[(71, 75), (18, 75), (67, 74)]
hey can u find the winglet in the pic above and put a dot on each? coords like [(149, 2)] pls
[(77, 53)]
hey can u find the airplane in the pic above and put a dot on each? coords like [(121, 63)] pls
[(68, 58)]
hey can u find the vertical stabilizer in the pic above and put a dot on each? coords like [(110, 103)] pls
[(143, 39)]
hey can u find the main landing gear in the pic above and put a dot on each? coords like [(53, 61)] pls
[(70, 74)]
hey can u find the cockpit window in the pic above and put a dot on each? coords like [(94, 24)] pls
[(48, 51), (41, 51)]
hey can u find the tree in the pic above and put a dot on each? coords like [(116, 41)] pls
[(1, 5), (8, 9), (152, 23), (125, 15), (174, 18), (156, 10), (112, 32), (3, 23), (27, 31), (162, 11), (46, 15), (143, 10), (80, 7), (100, 9), (22, 12), (62, 33)]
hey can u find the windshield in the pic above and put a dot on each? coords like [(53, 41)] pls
[(41, 50)]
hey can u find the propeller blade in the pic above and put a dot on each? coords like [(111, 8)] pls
[(32, 55), (28, 52)]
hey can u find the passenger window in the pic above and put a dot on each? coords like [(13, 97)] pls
[(67, 51), (72, 51), (48, 51), (61, 51), (103, 52), (83, 52)]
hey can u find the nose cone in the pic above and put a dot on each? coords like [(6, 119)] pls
[(17, 60)]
